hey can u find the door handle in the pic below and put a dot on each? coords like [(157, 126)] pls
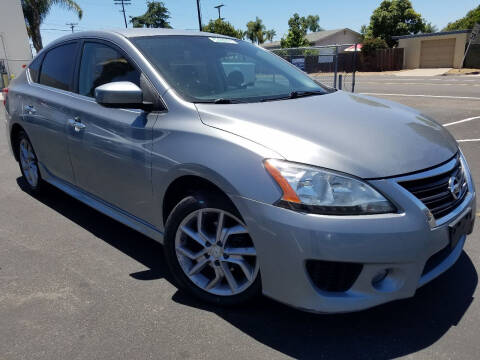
[(29, 109), (76, 124)]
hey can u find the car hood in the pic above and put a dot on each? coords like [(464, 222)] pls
[(360, 135)]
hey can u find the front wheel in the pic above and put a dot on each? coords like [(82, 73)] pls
[(210, 253)]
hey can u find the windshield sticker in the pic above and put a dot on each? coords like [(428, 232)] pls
[(223, 40)]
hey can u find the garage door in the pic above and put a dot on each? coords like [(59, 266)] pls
[(437, 53)]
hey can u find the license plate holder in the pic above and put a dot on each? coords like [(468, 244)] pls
[(460, 227)]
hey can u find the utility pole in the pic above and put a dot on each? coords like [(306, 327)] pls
[(72, 25), (123, 3), (218, 7), (199, 16)]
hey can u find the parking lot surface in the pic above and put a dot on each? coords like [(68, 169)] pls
[(75, 284)]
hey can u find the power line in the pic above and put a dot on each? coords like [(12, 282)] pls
[(123, 3), (55, 30)]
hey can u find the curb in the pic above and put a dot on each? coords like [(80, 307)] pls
[(469, 73)]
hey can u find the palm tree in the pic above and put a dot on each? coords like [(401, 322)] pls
[(35, 11), (255, 31), (270, 34)]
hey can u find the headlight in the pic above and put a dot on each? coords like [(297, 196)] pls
[(322, 191)]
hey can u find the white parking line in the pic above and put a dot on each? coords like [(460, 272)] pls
[(468, 140), (415, 83), (428, 96), (462, 121)]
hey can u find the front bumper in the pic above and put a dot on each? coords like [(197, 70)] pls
[(401, 243)]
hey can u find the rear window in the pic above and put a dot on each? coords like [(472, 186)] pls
[(58, 66), (34, 68)]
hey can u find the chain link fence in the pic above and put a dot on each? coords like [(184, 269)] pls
[(3, 74), (336, 65), (332, 65), (471, 58)]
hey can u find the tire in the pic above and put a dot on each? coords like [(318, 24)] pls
[(222, 260), (28, 162)]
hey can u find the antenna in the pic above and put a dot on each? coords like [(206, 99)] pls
[(123, 3), (218, 7)]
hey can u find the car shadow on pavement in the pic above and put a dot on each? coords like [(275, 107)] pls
[(387, 331), (134, 244)]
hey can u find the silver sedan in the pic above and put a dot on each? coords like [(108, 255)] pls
[(256, 178)]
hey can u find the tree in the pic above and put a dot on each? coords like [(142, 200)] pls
[(394, 18), (467, 22), (296, 33), (270, 34), (364, 30), (223, 27), (156, 16), (370, 45), (35, 12), (312, 23), (255, 31), (430, 28)]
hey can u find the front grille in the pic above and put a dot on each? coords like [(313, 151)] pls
[(438, 192), (333, 276)]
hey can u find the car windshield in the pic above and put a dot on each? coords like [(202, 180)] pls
[(223, 70)]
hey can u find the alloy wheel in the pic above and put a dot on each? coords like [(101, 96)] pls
[(215, 252)]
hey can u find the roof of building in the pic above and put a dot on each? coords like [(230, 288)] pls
[(431, 34), (313, 37)]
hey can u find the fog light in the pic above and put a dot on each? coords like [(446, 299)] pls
[(382, 274)]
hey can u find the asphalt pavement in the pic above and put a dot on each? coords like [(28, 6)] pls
[(75, 284)]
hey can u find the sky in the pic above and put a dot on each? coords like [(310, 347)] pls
[(103, 14)]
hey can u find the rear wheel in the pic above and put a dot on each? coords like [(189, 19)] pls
[(28, 163), (210, 253)]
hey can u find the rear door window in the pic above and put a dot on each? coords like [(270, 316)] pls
[(58, 66), (102, 64)]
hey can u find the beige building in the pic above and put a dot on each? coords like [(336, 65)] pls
[(325, 37), (435, 50), (15, 49)]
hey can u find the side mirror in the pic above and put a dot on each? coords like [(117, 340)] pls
[(121, 94)]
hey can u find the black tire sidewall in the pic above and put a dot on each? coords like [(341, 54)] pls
[(178, 214), (34, 189)]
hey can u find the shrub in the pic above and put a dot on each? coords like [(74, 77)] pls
[(371, 45)]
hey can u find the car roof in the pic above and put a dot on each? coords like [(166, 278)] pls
[(134, 32), (128, 33)]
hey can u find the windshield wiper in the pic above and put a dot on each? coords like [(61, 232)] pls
[(294, 95), (220, 101), (223, 101), (297, 94)]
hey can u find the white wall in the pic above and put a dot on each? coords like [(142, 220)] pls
[(14, 44), (413, 48)]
